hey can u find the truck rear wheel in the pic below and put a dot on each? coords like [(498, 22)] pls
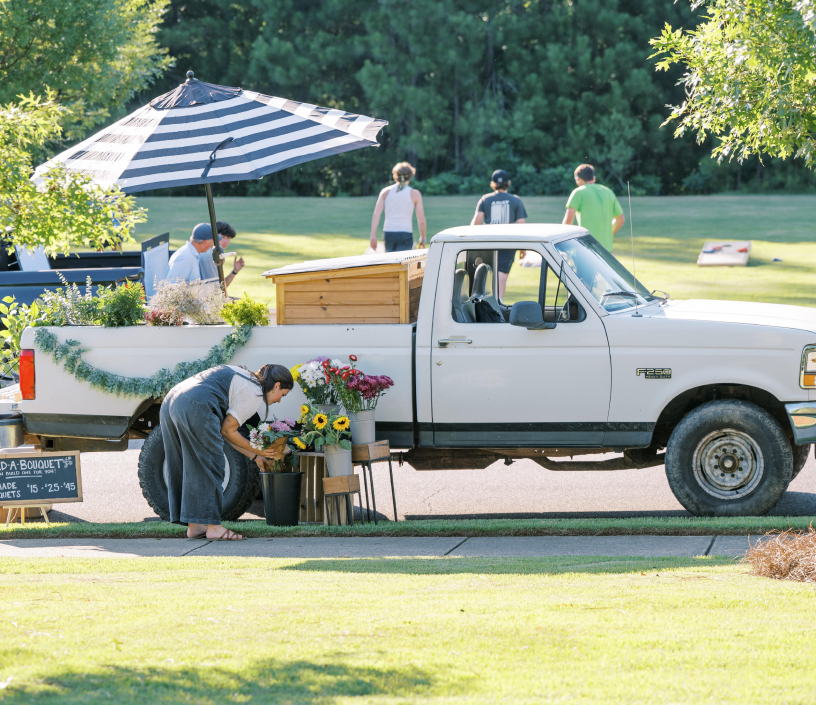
[(728, 458), (241, 481)]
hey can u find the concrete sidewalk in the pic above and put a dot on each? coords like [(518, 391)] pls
[(398, 547)]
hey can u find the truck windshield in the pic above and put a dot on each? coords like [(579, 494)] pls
[(607, 279)]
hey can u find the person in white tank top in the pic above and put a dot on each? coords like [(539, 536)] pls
[(399, 202)]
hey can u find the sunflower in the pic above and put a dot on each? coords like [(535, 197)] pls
[(341, 424), (305, 409), (299, 443), (320, 421)]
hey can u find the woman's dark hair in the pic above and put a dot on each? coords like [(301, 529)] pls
[(270, 375)]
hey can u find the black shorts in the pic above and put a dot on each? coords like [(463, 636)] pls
[(506, 258)]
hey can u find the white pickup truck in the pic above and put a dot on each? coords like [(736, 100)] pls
[(584, 361)]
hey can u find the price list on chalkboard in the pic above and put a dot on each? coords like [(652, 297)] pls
[(40, 478)]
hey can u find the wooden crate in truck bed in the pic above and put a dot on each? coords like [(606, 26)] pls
[(379, 288)]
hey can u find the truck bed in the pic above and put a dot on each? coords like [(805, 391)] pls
[(67, 407)]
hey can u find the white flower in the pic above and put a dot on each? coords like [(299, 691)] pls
[(263, 428), (336, 363)]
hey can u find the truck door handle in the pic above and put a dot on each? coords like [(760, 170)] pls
[(449, 341)]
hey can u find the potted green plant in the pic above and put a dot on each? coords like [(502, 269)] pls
[(245, 312), (281, 483), (330, 434), (359, 393)]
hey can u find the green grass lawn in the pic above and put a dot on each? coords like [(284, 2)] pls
[(652, 526), (669, 233), (461, 630)]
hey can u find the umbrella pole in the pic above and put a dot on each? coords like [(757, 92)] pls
[(217, 251)]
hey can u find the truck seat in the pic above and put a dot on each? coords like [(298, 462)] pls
[(483, 286), (463, 310)]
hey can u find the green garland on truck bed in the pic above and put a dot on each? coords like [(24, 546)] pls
[(157, 385)]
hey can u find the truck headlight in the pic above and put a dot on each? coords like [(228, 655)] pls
[(807, 377)]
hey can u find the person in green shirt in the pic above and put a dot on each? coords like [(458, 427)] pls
[(597, 207)]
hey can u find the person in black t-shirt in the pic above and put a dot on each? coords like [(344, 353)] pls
[(497, 208)]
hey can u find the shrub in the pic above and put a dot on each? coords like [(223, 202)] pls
[(245, 312), (16, 319), (68, 307), (123, 305), (195, 302), (645, 185)]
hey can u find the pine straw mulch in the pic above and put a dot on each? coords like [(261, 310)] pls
[(790, 555)]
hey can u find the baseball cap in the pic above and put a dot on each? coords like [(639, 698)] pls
[(500, 177), (202, 232)]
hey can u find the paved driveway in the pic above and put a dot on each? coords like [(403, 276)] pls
[(524, 489)]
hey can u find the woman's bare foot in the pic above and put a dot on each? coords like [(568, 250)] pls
[(217, 532), (196, 531)]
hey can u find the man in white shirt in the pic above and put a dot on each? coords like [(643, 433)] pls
[(184, 264)]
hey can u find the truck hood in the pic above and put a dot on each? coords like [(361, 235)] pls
[(755, 314)]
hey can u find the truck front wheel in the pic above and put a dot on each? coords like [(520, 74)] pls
[(728, 458), (241, 478)]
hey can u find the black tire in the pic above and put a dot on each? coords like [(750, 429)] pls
[(242, 483), (721, 435), (800, 456)]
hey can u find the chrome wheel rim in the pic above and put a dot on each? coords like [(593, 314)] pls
[(728, 464)]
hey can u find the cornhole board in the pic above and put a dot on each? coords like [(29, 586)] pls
[(735, 253), (376, 288)]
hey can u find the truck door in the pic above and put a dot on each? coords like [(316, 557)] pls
[(496, 385)]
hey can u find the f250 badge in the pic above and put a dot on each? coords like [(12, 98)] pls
[(654, 372)]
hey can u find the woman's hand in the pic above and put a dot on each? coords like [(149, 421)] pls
[(259, 461), (271, 453)]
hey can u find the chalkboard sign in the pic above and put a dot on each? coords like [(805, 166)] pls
[(40, 478)]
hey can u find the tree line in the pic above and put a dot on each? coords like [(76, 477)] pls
[(532, 86)]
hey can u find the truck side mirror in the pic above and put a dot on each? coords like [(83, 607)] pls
[(527, 314)]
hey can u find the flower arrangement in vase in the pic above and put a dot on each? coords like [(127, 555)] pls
[(274, 434), (359, 393), (329, 433), (315, 383)]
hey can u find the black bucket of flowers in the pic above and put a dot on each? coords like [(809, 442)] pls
[(280, 481)]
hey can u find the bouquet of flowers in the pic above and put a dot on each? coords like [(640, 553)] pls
[(274, 434), (356, 390), (321, 429), (312, 378)]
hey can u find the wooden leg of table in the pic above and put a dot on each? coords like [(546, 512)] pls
[(45, 516), (22, 516), (304, 497), (308, 491), (320, 473)]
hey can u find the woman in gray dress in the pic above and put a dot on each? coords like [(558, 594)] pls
[(196, 416)]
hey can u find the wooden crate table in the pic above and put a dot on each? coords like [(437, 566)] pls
[(378, 288), (335, 488), (312, 503), (366, 456), (313, 465)]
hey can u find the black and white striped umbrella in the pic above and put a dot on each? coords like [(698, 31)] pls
[(201, 133)]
